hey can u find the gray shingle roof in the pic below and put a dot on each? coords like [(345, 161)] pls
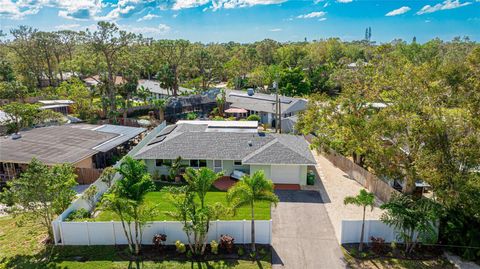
[(194, 142), (264, 102)]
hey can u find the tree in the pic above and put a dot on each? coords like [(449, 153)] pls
[(173, 53), (196, 216), (221, 99), (414, 220), (90, 196), (143, 93), (160, 105), (109, 41), (248, 191), (21, 115), (363, 199), (175, 167), (13, 90), (126, 199), (108, 175), (42, 192)]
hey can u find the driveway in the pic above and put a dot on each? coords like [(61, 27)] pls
[(302, 234)]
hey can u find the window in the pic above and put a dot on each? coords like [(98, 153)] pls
[(198, 163), (237, 163), (163, 162), (217, 166), (194, 163)]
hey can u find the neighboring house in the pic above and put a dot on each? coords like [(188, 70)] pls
[(159, 92), (178, 107), (288, 124), (85, 146), (265, 105), (61, 106), (93, 81), (4, 120), (230, 146)]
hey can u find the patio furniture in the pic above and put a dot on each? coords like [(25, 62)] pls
[(237, 174)]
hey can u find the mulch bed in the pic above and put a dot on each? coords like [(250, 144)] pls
[(151, 253), (386, 251)]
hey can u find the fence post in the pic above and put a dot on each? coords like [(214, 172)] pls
[(61, 233), (113, 231), (270, 232), (88, 233), (216, 231), (243, 230)]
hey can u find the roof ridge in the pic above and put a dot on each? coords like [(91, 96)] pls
[(264, 147)]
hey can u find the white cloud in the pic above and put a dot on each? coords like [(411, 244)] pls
[(316, 14), (398, 11), (67, 26), (322, 19), (148, 17), (344, 1), (161, 29), (445, 5), (127, 8), (275, 30), (181, 4), (326, 4), (78, 9), (228, 4)]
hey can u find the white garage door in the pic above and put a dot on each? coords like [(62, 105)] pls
[(285, 174)]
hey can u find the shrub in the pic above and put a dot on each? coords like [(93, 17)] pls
[(378, 245), (218, 118), (253, 117), (156, 176), (231, 119), (192, 116), (262, 251), (163, 178), (158, 240), (189, 254), (180, 247), (79, 214), (214, 246), (226, 242), (240, 251)]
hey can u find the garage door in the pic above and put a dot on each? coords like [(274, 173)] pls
[(285, 174)]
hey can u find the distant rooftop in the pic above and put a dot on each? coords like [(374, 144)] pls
[(264, 102), (154, 87)]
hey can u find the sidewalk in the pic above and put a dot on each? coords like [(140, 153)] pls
[(334, 185)]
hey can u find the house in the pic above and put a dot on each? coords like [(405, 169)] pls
[(264, 104), (87, 147), (61, 106), (178, 107), (93, 81), (231, 147), (159, 92)]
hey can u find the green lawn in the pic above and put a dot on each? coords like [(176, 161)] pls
[(21, 248), (161, 198)]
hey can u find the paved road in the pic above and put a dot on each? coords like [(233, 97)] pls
[(302, 235)]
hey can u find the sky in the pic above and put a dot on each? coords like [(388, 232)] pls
[(254, 20)]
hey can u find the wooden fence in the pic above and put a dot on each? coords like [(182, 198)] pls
[(380, 188), (87, 175)]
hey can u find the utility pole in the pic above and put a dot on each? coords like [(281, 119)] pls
[(277, 117)]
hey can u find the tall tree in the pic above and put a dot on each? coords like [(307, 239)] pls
[(363, 199), (173, 53)]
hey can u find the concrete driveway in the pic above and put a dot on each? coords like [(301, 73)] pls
[(302, 235)]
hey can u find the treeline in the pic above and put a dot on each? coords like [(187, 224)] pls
[(412, 114)]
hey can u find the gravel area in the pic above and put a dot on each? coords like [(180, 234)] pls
[(334, 185)]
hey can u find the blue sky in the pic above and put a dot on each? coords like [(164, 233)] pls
[(252, 20)]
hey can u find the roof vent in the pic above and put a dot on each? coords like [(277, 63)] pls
[(250, 92), (250, 143)]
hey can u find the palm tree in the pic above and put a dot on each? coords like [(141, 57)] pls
[(363, 199), (251, 189), (200, 181), (160, 104), (175, 168), (221, 102), (143, 93)]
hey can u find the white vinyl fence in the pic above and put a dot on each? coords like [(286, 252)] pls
[(101, 186), (111, 233), (351, 230)]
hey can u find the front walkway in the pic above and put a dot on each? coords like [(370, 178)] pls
[(302, 235)]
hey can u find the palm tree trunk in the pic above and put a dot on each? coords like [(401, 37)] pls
[(253, 229), (360, 247)]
